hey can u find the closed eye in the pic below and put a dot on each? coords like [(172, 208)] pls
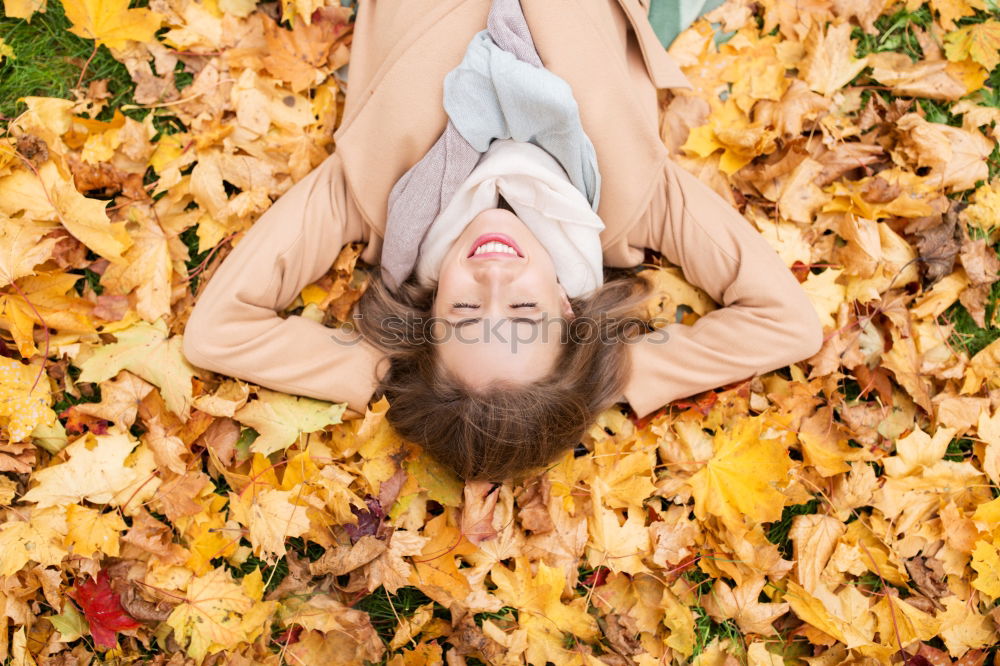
[(523, 305), (465, 305)]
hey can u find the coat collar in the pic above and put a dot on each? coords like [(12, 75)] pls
[(397, 115)]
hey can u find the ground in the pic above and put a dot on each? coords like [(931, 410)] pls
[(840, 510)]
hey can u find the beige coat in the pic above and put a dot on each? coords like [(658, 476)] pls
[(402, 49)]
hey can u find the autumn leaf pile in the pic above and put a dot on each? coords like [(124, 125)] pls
[(843, 510)]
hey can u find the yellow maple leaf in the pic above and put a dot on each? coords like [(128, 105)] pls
[(541, 610), (970, 73), (984, 211), (442, 484), (963, 627), (979, 41), (38, 539), (435, 570), (22, 247), (730, 128), (22, 411), (950, 10), (146, 350), (826, 293), (100, 468), (982, 369), (206, 536), (832, 621), (146, 271), (23, 8), (281, 418), (90, 531), (301, 9), (217, 614), (272, 517), (6, 51), (741, 603), (848, 196), (46, 299), (743, 476), (53, 196), (986, 562), (111, 22), (830, 63), (618, 546), (903, 622), (378, 444)]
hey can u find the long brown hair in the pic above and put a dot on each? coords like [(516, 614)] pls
[(506, 429)]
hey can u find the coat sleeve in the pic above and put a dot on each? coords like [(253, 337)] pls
[(767, 321), (234, 328)]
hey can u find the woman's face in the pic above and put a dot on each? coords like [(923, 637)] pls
[(499, 307)]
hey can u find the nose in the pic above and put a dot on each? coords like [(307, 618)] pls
[(493, 271), (495, 275)]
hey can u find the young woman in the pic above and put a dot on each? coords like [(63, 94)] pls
[(441, 350)]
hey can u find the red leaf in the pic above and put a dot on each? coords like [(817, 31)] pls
[(103, 609), (78, 423), (289, 636), (597, 577), (701, 402), (645, 420)]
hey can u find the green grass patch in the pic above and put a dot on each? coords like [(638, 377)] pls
[(190, 238), (706, 630), (967, 334), (701, 582), (895, 33), (89, 277), (89, 392), (271, 575), (48, 59), (958, 450), (993, 161), (386, 610), (937, 111), (507, 613), (778, 532)]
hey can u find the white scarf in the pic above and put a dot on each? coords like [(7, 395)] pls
[(542, 196)]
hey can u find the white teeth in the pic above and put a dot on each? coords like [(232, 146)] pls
[(494, 246)]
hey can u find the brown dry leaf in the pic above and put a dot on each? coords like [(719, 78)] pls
[(742, 605), (295, 55), (814, 538), (891, 428), (831, 64), (120, 399), (956, 157), (340, 560), (923, 78)]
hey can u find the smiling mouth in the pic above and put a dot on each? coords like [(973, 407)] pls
[(495, 245)]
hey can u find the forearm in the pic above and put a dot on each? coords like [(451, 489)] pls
[(767, 321), (235, 328)]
